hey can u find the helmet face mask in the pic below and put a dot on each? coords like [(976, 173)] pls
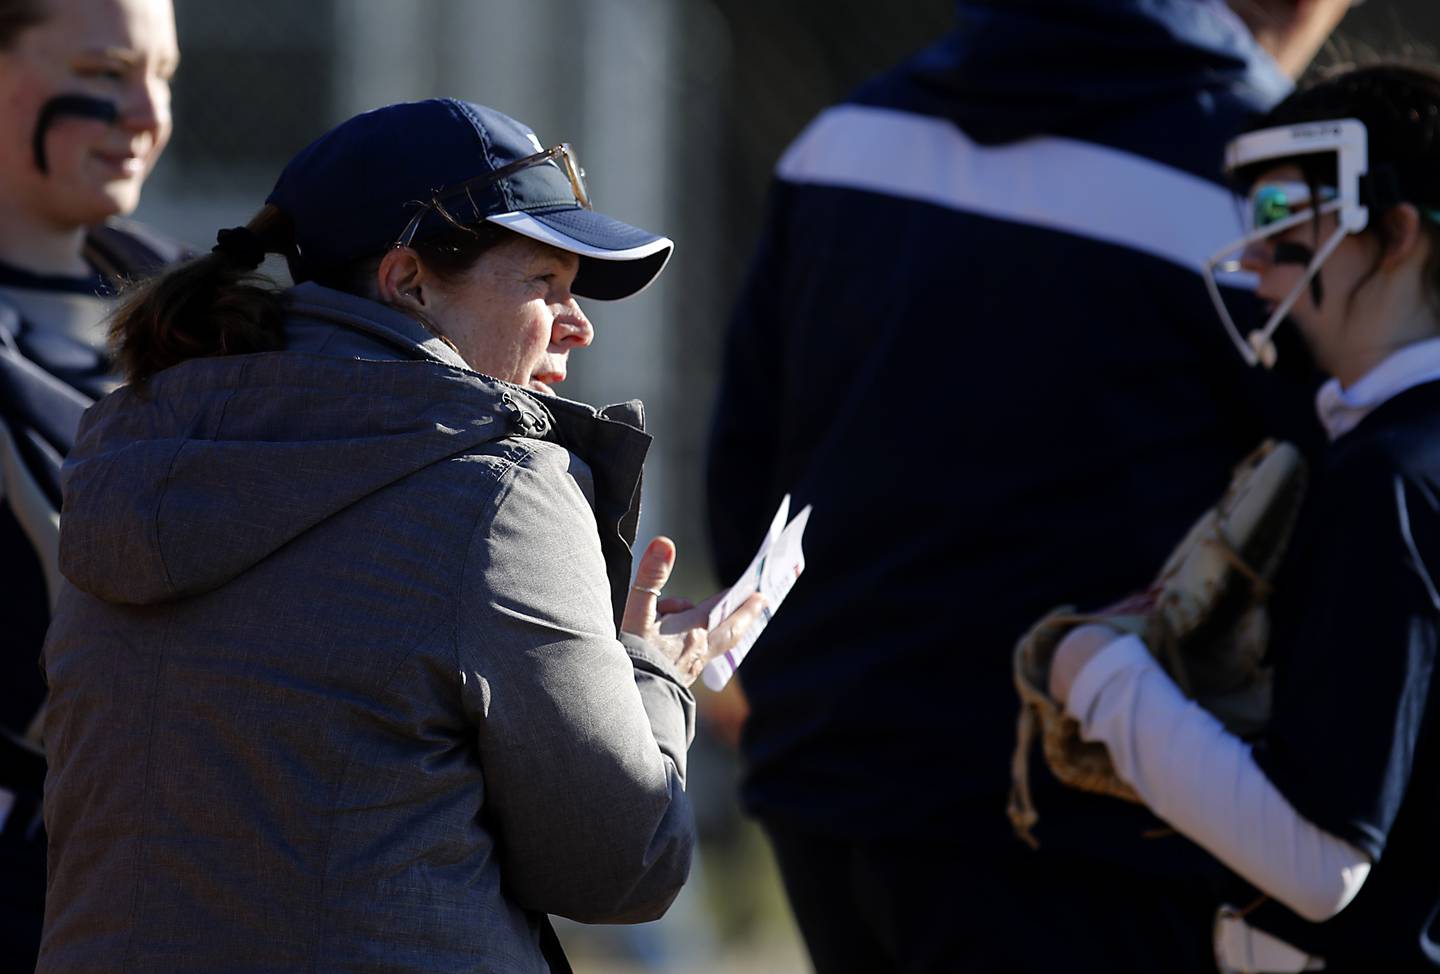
[(1275, 207)]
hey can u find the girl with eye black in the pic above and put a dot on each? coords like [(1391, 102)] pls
[(1331, 816), (84, 115)]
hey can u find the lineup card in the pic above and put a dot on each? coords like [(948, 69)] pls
[(772, 573)]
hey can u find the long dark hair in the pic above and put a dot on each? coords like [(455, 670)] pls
[(1400, 106), (220, 303)]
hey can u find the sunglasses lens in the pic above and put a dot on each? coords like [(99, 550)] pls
[(570, 162), (1272, 204)]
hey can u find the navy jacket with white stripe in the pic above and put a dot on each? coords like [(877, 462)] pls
[(975, 337)]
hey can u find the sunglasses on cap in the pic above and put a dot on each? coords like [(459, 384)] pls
[(561, 156)]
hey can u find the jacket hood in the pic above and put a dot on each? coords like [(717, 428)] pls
[(1018, 68), (226, 459)]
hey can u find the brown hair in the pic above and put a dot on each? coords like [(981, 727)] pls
[(18, 16), (219, 304)]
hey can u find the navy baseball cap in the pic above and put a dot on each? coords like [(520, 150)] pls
[(353, 192)]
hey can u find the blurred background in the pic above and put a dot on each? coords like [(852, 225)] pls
[(679, 109)]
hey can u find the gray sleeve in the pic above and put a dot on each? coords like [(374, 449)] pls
[(582, 738), (664, 698)]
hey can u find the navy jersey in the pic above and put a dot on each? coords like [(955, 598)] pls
[(1354, 742), (52, 365)]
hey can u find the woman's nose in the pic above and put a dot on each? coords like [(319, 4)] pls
[(147, 106), (572, 328)]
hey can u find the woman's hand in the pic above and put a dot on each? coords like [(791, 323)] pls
[(678, 627)]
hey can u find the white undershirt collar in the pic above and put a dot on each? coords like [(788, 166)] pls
[(1341, 410)]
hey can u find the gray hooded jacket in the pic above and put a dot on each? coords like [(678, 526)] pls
[(335, 684)]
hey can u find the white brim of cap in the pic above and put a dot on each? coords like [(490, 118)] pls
[(649, 257)]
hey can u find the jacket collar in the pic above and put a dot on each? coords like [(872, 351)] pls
[(390, 328)]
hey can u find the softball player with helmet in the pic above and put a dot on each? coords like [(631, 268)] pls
[(1328, 818)]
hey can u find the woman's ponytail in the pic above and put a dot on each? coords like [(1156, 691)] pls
[(212, 305)]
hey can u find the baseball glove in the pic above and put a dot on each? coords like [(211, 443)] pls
[(1206, 624)]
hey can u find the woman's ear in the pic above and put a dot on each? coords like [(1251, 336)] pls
[(400, 279), (1403, 235)]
